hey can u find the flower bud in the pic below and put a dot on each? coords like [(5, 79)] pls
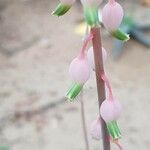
[(79, 70), (95, 129), (90, 56), (63, 7)]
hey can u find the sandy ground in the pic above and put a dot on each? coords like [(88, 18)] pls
[(35, 51)]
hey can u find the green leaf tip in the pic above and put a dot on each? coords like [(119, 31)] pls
[(120, 35), (113, 130), (74, 91), (61, 9), (91, 15)]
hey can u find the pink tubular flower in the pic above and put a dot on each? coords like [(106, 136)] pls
[(112, 15), (95, 129), (90, 56)]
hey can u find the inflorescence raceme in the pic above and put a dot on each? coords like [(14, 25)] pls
[(83, 64)]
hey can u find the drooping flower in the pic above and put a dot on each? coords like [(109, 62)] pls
[(112, 16), (95, 129), (63, 7), (79, 71), (90, 56), (110, 112)]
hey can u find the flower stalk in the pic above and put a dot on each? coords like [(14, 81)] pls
[(99, 69), (84, 122)]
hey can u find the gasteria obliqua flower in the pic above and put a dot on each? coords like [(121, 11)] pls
[(90, 56), (95, 129), (91, 11), (110, 112), (112, 16), (79, 71), (63, 7)]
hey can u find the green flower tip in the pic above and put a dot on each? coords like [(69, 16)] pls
[(113, 130), (73, 92), (61, 9), (91, 15), (120, 35)]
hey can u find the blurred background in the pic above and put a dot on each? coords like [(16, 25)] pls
[(36, 49)]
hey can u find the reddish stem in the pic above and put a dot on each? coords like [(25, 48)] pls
[(117, 143), (87, 39), (105, 79), (99, 69)]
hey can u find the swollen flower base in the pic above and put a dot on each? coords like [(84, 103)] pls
[(112, 15)]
